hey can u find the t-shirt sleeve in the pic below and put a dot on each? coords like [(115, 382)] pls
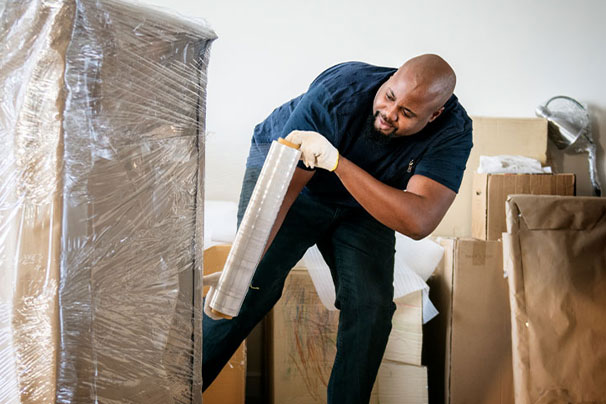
[(312, 111), (315, 112), (445, 161)]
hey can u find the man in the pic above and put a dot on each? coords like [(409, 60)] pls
[(382, 150)]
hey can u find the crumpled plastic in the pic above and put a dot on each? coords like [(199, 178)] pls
[(507, 164)]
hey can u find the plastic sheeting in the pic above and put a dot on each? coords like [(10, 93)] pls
[(101, 199)]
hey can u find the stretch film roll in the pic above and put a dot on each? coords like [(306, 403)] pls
[(254, 230)]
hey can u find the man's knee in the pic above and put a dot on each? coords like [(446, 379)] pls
[(374, 312)]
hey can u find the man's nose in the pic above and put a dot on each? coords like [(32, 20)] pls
[(392, 112)]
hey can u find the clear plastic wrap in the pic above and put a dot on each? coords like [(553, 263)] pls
[(101, 203), (252, 236)]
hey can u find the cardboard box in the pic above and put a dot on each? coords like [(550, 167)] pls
[(490, 192), (302, 336), (400, 383), (405, 341), (230, 385), (491, 137), (555, 258), (467, 348)]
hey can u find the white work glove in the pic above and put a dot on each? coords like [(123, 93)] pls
[(316, 150), (211, 280)]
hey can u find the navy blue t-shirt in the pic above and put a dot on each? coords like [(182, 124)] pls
[(338, 105)]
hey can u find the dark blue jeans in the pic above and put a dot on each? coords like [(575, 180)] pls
[(360, 253)]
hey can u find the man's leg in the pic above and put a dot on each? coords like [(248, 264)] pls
[(221, 338), (360, 252)]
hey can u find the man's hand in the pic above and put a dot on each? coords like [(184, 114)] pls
[(211, 280), (316, 150)]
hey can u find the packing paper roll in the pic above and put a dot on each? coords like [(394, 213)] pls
[(254, 230)]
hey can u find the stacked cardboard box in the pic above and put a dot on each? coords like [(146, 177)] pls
[(401, 378), (491, 137), (406, 338), (467, 348), (400, 383), (490, 192), (302, 339)]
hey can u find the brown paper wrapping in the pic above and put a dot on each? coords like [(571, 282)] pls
[(555, 258)]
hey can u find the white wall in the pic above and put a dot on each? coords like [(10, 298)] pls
[(509, 57)]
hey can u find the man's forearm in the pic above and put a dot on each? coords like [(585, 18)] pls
[(406, 212)]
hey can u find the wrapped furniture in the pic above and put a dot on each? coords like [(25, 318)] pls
[(101, 202)]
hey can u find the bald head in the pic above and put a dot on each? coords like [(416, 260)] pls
[(431, 75), (413, 96)]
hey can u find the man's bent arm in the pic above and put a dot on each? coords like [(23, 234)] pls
[(415, 212), (299, 179)]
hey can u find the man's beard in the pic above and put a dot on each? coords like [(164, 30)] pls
[(370, 132)]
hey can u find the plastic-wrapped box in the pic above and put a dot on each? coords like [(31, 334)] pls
[(101, 203)]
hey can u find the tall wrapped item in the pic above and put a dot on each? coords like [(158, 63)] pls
[(101, 202), (554, 253)]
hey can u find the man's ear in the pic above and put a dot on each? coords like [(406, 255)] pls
[(436, 114)]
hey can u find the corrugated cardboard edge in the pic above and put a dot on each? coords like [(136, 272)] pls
[(447, 357), (437, 332), (515, 274), (479, 206), (494, 200)]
